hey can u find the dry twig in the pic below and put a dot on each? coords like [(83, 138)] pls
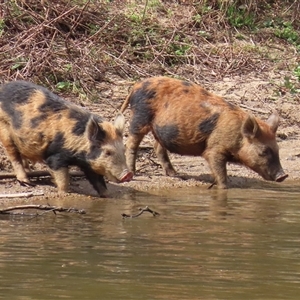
[(39, 174), (142, 210), (21, 195), (46, 208), (55, 41)]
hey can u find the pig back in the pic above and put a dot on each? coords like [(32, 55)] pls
[(181, 115), (34, 117)]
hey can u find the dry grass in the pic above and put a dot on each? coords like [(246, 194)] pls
[(72, 46)]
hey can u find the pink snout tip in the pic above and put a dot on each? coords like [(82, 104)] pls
[(281, 178), (126, 177)]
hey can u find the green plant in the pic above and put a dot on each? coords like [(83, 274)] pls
[(74, 88), (153, 3), (288, 33), (19, 64), (239, 17), (135, 17), (290, 86), (179, 47), (68, 67), (197, 18), (180, 50), (2, 27), (93, 28), (138, 13), (297, 72), (204, 34), (63, 85), (206, 8)]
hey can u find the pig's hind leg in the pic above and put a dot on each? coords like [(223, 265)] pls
[(61, 178), (14, 156), (164, 159)]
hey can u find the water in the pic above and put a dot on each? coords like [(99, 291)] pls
[(206, 244)]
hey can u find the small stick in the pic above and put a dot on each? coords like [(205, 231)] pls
[(39, 174), (253, 109), (21, 195), (211, 185), (41, 207), (142, 210)]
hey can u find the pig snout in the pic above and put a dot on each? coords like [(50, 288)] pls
[(126, 176), (278, 176), (281, 176)]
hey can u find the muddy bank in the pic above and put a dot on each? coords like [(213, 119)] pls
[(192, 172)]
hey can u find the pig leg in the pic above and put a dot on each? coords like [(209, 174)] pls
[(14, 156), (217, 164), (25, 163), (58, 168), (96, 180), (61, 178), (132, 145), (164, 159)]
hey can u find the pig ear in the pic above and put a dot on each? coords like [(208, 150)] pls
[(250, 128), (273, 121), (94, 131), (119, 122)]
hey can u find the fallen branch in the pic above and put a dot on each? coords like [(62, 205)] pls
[(39, 174), (253, 109), (142, 210), (21, 195), (47, 208)]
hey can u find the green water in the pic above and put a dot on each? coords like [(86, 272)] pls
[(206, 244)]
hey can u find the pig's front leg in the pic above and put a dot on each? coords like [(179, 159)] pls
[(59, 170), (96, 180), (217, 163)]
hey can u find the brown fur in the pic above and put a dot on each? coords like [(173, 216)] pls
[(188, 120), (35, 144), (36, 120)]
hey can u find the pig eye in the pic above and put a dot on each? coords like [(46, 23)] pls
[(108, 153), (266, 152)]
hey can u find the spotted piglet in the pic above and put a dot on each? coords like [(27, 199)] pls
[(186, 119), (37, 125)]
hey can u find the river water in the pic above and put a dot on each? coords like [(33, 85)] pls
[(206, 244)]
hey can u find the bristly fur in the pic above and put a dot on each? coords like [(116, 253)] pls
[(187, 119), (39, 126)]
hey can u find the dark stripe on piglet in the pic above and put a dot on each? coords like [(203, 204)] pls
[(208, 125), (81, 121), (167, 136)]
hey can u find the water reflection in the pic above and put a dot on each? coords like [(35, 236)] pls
[(204, 245)]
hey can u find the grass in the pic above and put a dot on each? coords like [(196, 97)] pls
[(84, 41), (297, 72), (239, 17), (286, 31), (2, 27)]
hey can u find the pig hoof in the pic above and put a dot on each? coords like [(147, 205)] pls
[(26, 183), (211, 185), (220, 186), (62, 193), (171, 172)]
